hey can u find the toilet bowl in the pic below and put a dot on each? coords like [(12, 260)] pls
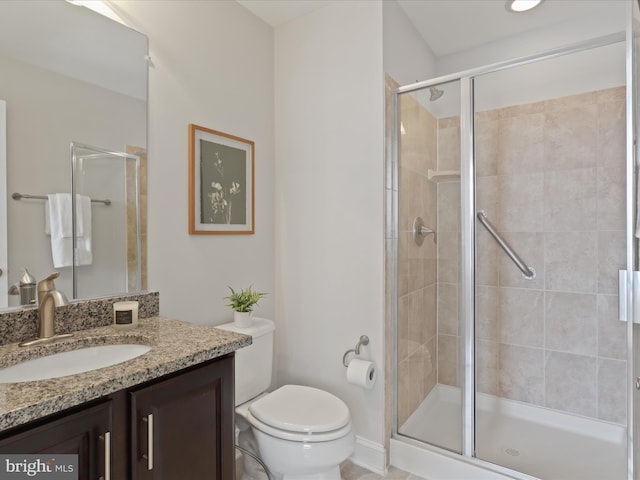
[(299, 432)]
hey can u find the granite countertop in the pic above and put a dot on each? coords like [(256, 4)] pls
[(175, 345)]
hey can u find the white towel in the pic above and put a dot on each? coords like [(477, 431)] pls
[(58, 225)]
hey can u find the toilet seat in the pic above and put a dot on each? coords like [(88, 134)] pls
[(300, 413)]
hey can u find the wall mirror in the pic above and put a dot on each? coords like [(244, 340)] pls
[(69, 76)]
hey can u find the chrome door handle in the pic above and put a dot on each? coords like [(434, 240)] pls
[(149, 455), (106, 438)]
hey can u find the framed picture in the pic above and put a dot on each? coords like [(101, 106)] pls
[(221, 175)]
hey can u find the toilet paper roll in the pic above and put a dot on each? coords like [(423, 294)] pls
[(361, 373)]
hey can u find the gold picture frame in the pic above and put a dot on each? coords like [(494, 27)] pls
[(221, 183)]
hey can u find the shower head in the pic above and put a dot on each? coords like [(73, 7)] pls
[(436, 93)]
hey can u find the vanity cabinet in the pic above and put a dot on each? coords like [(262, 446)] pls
[(85, 433), (182, 427), (176, 427)]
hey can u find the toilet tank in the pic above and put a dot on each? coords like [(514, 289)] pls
[(254, 363)]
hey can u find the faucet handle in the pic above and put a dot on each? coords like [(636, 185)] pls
[(48, 285)]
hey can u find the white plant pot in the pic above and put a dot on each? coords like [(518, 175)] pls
[(242, 319)]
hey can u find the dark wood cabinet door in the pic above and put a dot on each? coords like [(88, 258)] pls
[(83, 433), (183, 427)]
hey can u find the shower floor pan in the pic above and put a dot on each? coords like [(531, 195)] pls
[(537, 441)]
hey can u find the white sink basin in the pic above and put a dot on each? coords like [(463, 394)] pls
[(70, 363)]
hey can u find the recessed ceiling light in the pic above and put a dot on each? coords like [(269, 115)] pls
[(522, 5)]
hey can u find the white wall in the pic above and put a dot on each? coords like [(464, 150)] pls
[(329, 201), (407, 58), (212, 66)]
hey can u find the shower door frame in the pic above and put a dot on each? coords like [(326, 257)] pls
[(467, 240)]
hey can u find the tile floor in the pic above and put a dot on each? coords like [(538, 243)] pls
[(350, 471)]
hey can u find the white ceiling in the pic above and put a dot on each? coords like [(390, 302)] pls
[(277, 12), (450, 26)]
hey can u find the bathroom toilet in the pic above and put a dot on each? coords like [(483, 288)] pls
[(299, 432)]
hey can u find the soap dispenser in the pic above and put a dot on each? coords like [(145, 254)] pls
[(26, 288)]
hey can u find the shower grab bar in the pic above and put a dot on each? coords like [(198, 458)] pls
[(19, 196), (527, 272)]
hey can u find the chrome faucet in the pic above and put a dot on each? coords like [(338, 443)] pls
[(48, 299)]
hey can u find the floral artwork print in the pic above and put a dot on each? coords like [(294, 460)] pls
[(223, 173)]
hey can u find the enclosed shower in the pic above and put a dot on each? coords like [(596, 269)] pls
[(512, 227)]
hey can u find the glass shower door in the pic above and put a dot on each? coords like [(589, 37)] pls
[(108, 251), (551, 361), (429, 400)]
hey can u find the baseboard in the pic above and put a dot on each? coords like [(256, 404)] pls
[(370, 455)]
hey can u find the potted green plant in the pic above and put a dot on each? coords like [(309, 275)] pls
[(242, 302)]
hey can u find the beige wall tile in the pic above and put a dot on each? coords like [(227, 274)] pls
[(521, 144), (429, 313), (487, 313), (403, 262), (448, 257), (611, 258), (611, 134), (403, 328), (570, 101), (612, 401), (449, 207), (487, 128), (521, 373), (417, 334), (486, 258), (615, 94), (448, 322), (570, 383), (569, 199), (448, 148), (612, 333), (404, 387), (524, 109), (487, 194), (571, 261), (611, 198), (571, 322), (571, 137), (448, 364), (412, 142), (521, 317), (521, 207), (487, 367)]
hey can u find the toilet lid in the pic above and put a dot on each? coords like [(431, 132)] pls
[(296, 408)]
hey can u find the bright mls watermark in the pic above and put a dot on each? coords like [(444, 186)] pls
[(49, 467)]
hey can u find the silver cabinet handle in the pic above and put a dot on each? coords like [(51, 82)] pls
[(149, 455), (106, 438)]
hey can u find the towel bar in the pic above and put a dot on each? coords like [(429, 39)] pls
[(20, 196)]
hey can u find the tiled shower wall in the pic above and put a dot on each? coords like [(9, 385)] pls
[(416, 348), (551, 177)]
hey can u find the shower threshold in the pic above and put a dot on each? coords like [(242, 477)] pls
[(536, 441)]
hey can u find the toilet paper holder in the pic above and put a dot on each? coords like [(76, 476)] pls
[(364, 340)]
